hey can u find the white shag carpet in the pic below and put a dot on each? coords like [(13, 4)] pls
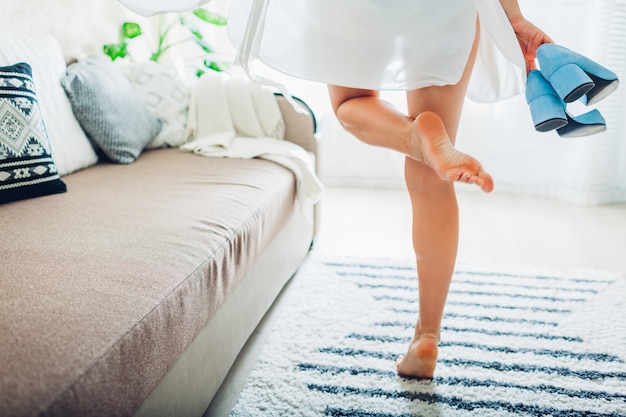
[(516, 341)]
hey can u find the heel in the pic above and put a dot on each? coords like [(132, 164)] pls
[(546, 107), (552, 57), (547, 113), (584, 125), (571, 82), (604, 87)]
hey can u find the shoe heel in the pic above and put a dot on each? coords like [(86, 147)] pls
[(547, 113), (584, 125), (571, 82), (546, 108), (554, 57), (604, 87)]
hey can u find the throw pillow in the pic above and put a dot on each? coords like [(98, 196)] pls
[(26, 166), (108, 109), (166, 94), (70, 147)]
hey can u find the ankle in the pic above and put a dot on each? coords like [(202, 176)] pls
[(426, 333), (429, 337), (414, 143)]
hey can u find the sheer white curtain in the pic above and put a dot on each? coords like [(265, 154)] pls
[(590, 170)]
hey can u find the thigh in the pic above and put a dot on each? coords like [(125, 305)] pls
[(446, 101)]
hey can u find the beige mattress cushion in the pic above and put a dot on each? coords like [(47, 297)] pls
[(103, 287)]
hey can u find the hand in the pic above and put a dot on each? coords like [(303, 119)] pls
[(530, 37)]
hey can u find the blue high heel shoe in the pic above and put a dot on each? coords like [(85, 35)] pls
[(548, 111), (546, 107), (584, 125), (575, 76)]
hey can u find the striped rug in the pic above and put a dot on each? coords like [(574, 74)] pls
[(516, 341)]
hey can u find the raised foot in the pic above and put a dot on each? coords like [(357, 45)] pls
[(421, 358), (432, 146)]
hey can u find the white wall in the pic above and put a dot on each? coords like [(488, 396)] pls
[(81, 26)]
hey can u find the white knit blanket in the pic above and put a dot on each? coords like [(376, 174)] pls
[(237, 118)]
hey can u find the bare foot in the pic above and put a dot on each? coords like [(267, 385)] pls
[(432, 145), (421, 359)]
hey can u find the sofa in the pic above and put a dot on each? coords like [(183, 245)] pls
[(131, 287)]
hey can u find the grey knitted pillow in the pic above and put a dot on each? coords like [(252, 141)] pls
[(109, 111)]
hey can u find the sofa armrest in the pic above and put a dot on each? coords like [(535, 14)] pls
[(299, 127)]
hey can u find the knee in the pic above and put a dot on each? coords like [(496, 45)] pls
[(346, 108), (342, 111), (347, 102), (347, 115)]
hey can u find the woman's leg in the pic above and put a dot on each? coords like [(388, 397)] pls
[(426, 137), (435, 222), (421, 138)]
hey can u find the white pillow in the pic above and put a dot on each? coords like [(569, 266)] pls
[(165, 94), (71, 150)]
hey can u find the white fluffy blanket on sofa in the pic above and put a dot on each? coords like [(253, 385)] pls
[(237, 118)]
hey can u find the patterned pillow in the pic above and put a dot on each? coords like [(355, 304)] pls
[(26, 166), (108, 109), (165, 93), (70, 147)]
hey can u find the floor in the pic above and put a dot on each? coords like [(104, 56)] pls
[(495, 228)]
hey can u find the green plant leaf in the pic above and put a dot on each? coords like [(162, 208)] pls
[(115, 51), (109, 50), (213, 66), (205, 46), (193, 28), (196, 33), (210, 17), (131, 30)]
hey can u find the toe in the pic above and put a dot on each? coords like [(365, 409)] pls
[(487, 182)]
